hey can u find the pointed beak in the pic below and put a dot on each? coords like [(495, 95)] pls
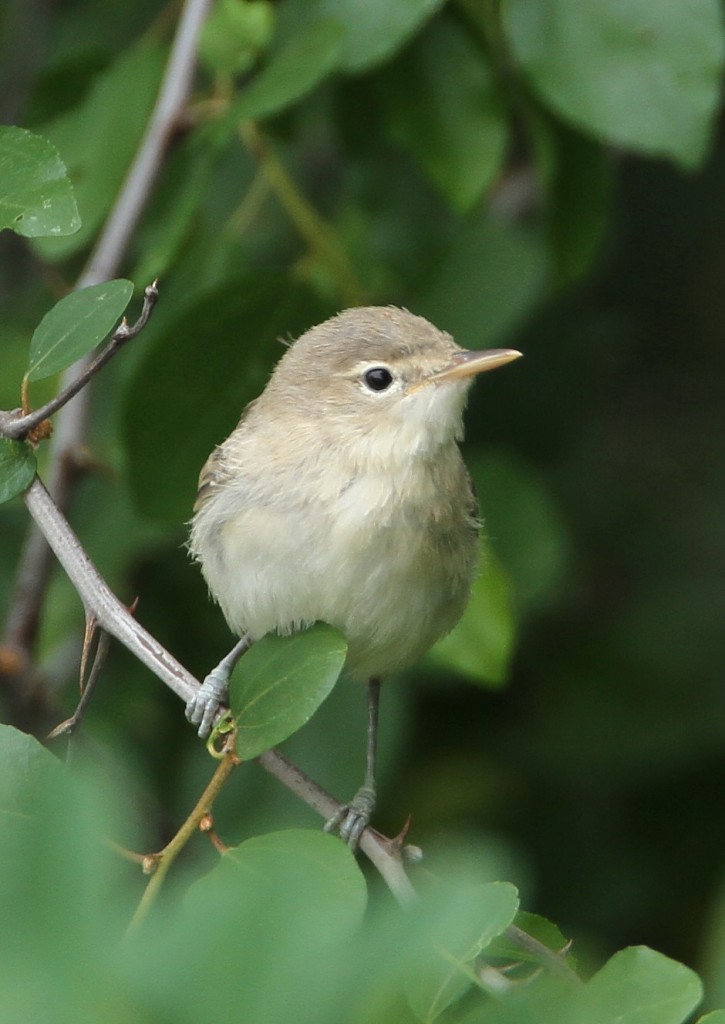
[(467, 364)]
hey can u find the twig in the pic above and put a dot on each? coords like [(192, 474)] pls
[(70, 725), (554, 962), (71, 425), (162, 861), (19, 427)]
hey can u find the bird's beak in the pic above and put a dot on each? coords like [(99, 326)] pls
[(466, 363)]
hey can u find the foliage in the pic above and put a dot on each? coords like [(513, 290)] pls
[(488, 165)]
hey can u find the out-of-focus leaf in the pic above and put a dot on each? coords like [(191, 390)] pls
[(36, 196), (716, 1017), (234, 33), (640, 986), (279, 869), (487, 283), (17, 468), (226, 341), (644, 74), (453, 937), (443, 103), (524, 527), (99, 138), (75, 325), (373, 31), (539, 928), (279, 684), (292, 72), (481, 645)]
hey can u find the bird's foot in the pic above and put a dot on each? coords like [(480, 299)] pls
[(202, 709), (351, 820)]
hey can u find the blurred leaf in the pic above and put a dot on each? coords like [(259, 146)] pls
[(234, 33), (279, 684), (75, 325), (443, 103), (716, 1017), (292, 72), (463, 922), (577, 174), (282, 868), (99, 138), (640, 986), (539, 928), (487, 283), (524, 526), (36, 196), (481, 645), (373, 31), (226, 341), (644, 75), (17, 468)]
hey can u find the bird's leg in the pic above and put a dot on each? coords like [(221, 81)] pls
[(352, 819), (214, 691)]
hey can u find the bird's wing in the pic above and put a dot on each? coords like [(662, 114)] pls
[(215, 470)]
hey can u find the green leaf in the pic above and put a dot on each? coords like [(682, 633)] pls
[(17, 468), (75, 325), (303, 867), (442, 103), (716, 1017), (279, 684), (481, 645), (227, 341), (539, 928), (36, 196), (293, 71), (462, 925), (373, 31), (643, 74), (640, 986), (488, 282), (99, 138)]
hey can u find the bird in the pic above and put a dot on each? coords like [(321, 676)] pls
[(342, 497)]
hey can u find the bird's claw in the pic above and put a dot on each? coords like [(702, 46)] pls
[(202, 709), (351, 820)]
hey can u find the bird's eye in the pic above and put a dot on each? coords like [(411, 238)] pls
[(378, 378)]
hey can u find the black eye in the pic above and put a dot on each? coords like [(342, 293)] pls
[(379, 378)]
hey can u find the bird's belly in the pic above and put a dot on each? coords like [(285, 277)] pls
[(393, 582)]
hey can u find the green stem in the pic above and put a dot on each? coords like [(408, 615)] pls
[(320, 236), (168, 855)]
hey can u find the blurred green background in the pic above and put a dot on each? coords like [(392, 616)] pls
[(571, 736)]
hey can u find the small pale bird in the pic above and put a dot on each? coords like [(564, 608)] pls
[(342, 497)]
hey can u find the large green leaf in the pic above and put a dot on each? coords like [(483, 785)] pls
[(443, 103), (716, 1017), (643, 74), (464, 922), (75, 325), (279, 869), (372, 31), (36, 196), (99, 137), (17, 467), (279, 684), (292, 72), (481, 645), (640, 986)]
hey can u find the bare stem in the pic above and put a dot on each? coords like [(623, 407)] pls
[(170, 852)]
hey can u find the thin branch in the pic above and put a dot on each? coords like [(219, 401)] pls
[(161, 862), (70, 725), (36, 563), (20, 427)]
